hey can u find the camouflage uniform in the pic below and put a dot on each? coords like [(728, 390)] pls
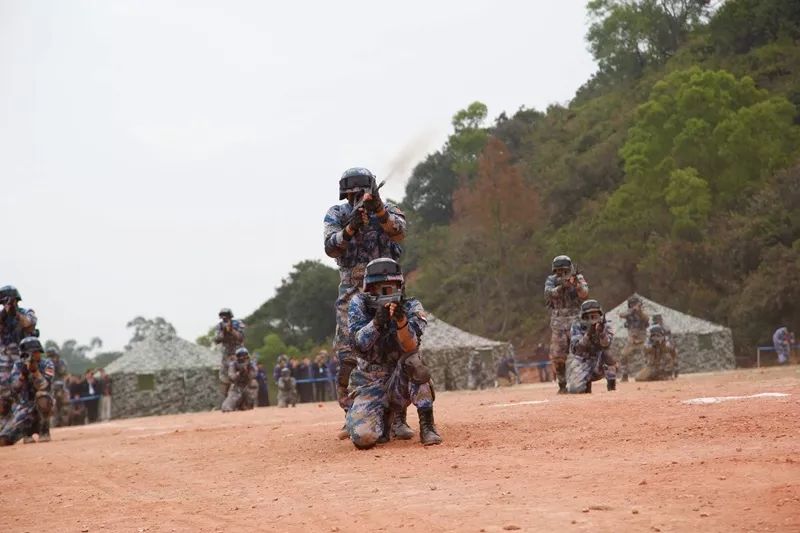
[(371, 242), (60, 393), (564, 304), (14, 328), (380, 382), (589, 357), (661, 360), (8, 357), (34, 402), (287, 391), (636, 321), (241, 396), (230, 342)]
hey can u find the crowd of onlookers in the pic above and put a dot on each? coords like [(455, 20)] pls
[(315, 379), (83, 398)]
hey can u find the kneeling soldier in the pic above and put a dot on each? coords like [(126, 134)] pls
[(589, 357), (31, 381)]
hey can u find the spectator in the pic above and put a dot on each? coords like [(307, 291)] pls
[(305, 389), (541, 357), (333, 369), (77, 410), (263, 391), (783, 340), (90, 393), (105, 398), (320, 372)]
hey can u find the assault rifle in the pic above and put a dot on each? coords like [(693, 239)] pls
[(360, 203)]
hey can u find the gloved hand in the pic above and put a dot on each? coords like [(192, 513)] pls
[(358, 221), (399, 315), (374, 203), (381, 317)]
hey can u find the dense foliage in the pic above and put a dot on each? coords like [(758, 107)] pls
[(673, 172)]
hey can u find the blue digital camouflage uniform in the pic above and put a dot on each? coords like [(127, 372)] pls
[(7, 360), (379, 382), (589, 357), (371, 242), (12, 329), (565, 307), (636, 322), (230, 342), (33, 402)]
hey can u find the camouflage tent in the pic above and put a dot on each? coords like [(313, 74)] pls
[(702, 346), (164, 374), (447, 349)]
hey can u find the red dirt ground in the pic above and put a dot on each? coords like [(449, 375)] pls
[(637, 459)]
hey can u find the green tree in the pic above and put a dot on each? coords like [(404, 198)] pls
[(76, 355), (741, 25), (149, 327)]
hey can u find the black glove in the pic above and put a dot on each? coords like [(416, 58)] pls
[(381, 317), (375, 204), (356, 222), (399, 313)]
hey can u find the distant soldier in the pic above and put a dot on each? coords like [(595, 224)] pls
[(661, 358), (230, 335), (287, 389), (354, 236), (476, 374), (564, 290), (505, 369), (636, 321), (783, 340), (589, 357), (60, 392), (8, 357), (31, 382), (386, 329), (242, 375), (16, 323)]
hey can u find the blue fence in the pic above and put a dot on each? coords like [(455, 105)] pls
[(760, 349)]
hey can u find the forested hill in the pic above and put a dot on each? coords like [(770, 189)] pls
[(674, 172)]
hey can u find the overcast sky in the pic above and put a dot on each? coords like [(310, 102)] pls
[(170, 158)]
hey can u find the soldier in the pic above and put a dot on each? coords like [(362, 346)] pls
[(16, 323), (230, 334), (476, 377), (242, 374), (8, 357), (660, 356), (589, 357), (636, 321), (60, 393), (287, 389), (386, 329), (783, 340), (356, 232), (31, 382), (505, 368), (564, 290)]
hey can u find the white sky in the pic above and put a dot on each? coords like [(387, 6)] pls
[(171, 158)]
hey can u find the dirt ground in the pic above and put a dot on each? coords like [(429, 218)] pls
[(521, 458)]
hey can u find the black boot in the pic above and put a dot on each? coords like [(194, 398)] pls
[(562, 387), (588, 388), (388, 422), (611, 384), (427, 430), (400, 428), (624, 377), (343, 433)]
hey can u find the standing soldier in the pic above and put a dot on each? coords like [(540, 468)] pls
[(386, 329), (660, 356), (60, 393), (31, 382), (589, 356), (230, 334), (287, 389), (241, 374), (636, 321), (16, 323), (564, 290), (356, 232)]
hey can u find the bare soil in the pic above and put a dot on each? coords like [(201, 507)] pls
[(638, 459)]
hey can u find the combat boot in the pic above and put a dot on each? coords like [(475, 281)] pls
[(400, 428), (388, 423), (343, 433), (588, 388), (427, 430), (27, 440), (45, 437), (562, 387), (624, 377), (611, 384)]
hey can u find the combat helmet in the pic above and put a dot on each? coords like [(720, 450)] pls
[(562, 261), (356, 179), (658, 318), (30, 345), (285, 371), (381, 270), (656, 332), (9, 291), (634, 300), (588, 306), (242, 352), (225, 312), (52, 352)]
